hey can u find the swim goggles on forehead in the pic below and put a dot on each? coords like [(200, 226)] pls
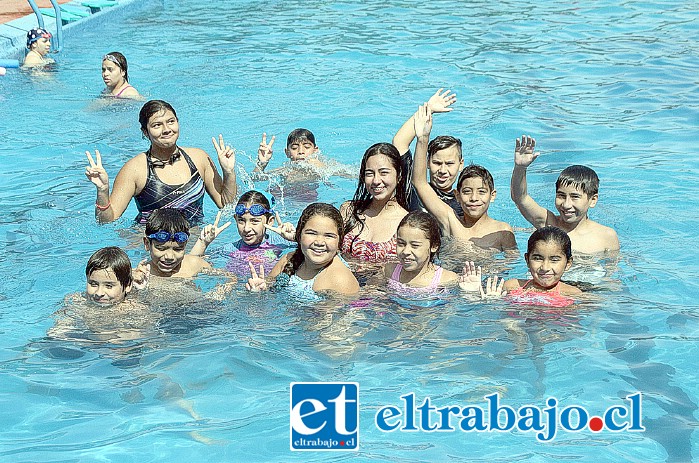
[(255, 210), (163, 237), (111, 58)]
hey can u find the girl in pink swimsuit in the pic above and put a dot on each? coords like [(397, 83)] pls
[(371, 218), (115, 74), (548, 257), (417, 244)]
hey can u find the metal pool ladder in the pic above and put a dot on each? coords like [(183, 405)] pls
[(56, 45)]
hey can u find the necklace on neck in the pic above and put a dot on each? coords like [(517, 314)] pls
[(155, 162)]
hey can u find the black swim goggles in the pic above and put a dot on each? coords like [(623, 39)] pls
[(255, 210), (163, 237)]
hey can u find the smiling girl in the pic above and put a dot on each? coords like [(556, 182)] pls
[(315, 266), (371, 218)]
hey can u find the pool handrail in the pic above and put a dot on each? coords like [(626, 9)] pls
[(57, 44)]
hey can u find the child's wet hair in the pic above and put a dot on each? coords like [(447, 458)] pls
[(153, 107), (169, 220), (476, 171), (114, 259), (299, 135), (121, 62), (426, 223), (443, 142), (580, 177), (551, 234), (312, 210), (251, 197)]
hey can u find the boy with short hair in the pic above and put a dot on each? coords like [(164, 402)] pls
[(300, 146), (108, 274), (475, 191), (166, 237), (576, 193), (444, 157)]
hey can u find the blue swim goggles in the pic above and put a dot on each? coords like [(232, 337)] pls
[(163, 237), (255, 210)]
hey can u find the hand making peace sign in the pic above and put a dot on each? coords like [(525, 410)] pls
[(211, 231), (95, 172), (226, 154), (256, 282), (286, 230), (264, 152)]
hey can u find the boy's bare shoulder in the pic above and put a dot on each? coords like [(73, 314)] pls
[(597, 238)]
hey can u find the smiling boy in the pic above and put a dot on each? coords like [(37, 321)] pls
[(576, 192)]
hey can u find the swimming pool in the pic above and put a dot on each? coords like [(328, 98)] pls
[(610, 86)]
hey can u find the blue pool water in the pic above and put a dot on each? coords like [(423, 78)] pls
[(613, 86)]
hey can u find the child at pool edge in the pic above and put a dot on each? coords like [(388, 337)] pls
[(576, 192), (39, 45), (549, 256), (474, 190), (254, 217), (417, 244), (315, 265), (115, 74)]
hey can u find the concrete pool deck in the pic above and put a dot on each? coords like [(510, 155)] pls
[(17, 17)]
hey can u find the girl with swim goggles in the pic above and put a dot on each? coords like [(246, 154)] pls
[(254, 218)]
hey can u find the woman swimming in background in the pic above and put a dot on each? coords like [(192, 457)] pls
[(371, 218), (548, 257), (39, 45), (115, 74), (315, 266), (417, 244), (165, 175), (254, 218)]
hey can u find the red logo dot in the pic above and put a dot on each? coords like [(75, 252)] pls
[(596, 424), (342, 442)]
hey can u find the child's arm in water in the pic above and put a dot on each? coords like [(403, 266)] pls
[(440, 102), (207, 235), (524, 156)]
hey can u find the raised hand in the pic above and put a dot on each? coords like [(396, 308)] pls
[(524, 151), (264, 152), (493, 288), (211, 231), (95, 172), (140, 275), (286, 230), (440, 102), (226, 154), (423, 121), (470, 279), (256, 282)]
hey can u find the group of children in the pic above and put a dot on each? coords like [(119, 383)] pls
[(383, 223)]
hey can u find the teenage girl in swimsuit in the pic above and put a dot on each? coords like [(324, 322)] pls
[(39, 45), (371, 218), (418, 241), (315, 265), (115, 74), (166, 175), (548, 257)]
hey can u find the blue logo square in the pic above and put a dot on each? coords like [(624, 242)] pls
[(324, 416)]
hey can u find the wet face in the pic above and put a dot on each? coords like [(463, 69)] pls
[(300, 150), (572, 203), (475, 197), (413, 248), (252, 228), (104, 288), (319, 241), (163, 129), (166, 257), (112, 74), (380, 177), (547, 262), (444, 167), (42, 46)]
